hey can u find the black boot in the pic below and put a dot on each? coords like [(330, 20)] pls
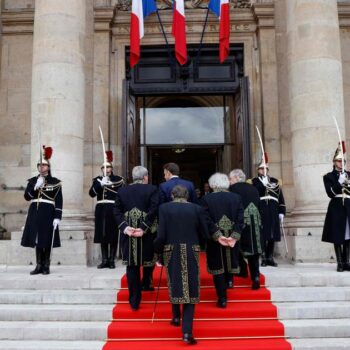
[(104, 250), (346, 255), (264, 255), (338, 254), (271, 248), (112, 253), (46, 267), (220, 286), (39, 261)]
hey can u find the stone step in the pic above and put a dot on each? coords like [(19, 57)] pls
[(320, 344), (27, 330), (313, 310), (313, 328), (52, 345), (55, 312), (297, 294), (57, 297)]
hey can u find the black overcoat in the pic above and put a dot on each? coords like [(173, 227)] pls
[(250, 242), (182, 227), (338, 209), (46, 205), (136, 205), (270, 208), (226, 211), (106, 229)]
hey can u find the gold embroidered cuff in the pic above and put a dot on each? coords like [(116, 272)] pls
[(217, 235), (235, 235)]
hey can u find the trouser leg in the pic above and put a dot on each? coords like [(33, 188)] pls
[(346, 255), (147, 278), (253, 263), (46, 267), (39, 253), (221, 291), (243, 266), (112, 253), (339, 256), (104, 252), (134, 286), (271, 248), (187, 318)]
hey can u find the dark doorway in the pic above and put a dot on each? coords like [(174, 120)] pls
[(197, 164)]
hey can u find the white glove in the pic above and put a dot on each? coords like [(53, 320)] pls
[(39, 182), (265, 180), (55, 223), (104, 181), (281, 217), (342, 178)]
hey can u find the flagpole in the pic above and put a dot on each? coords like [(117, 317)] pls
[(202, 36), (171, 58)]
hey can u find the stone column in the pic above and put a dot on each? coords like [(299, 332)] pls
[(315, 95), (58, 92)]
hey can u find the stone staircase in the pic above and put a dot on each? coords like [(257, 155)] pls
[(71, 308)]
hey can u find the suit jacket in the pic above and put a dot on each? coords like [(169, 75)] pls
[(165, 189)]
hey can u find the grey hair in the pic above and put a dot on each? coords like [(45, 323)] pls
[(239, 174), (219, 181), (139, 172), (179, 192)]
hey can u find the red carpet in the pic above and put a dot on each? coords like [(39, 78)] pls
[(248, 323)]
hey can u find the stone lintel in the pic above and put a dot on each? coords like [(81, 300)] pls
[(264, 15), (17, 21)]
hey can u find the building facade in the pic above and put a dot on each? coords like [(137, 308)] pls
[(65, 71)]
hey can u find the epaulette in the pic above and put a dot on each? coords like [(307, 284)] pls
[(249, 181), (280, 182)]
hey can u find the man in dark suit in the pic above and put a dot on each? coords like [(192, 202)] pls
[(171, 176), (135, 211), (182, 227)]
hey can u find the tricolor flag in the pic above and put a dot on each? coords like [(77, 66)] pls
[(222, 9), (179, 31), (139, 11)]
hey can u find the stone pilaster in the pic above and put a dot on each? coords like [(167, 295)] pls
[(314, 71)]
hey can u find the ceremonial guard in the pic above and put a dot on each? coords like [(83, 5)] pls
[(171, 176), (250, 242), (226, 211), (336, 228), (272, 210), (106, 230), (135, 210), (44, 214), (182, 227)]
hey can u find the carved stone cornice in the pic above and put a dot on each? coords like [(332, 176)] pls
[(15, 22), (264, 14), (344, 14), (103, 17), (125, 5)]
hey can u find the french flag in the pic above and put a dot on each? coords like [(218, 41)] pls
[(179, 31), (139, 11), (221, 8)]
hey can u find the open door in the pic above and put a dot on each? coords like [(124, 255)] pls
[(242, 135), (130, 132)]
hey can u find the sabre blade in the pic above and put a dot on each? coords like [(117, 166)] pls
[(340, 143), (104, 152), (262, 149)]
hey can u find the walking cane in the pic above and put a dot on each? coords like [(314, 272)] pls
[(156, 301)]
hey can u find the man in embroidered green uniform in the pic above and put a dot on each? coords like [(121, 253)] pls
[(226, 211), (250, 242), (135, 210), (182, 228)]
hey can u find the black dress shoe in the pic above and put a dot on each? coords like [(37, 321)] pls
[(256, 283), (175, 321), (38, 269), (221, 303), (271, 262), (188, 338), (229, 284), (134, 307), (147, 288), (340, 267), (103, 265)]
